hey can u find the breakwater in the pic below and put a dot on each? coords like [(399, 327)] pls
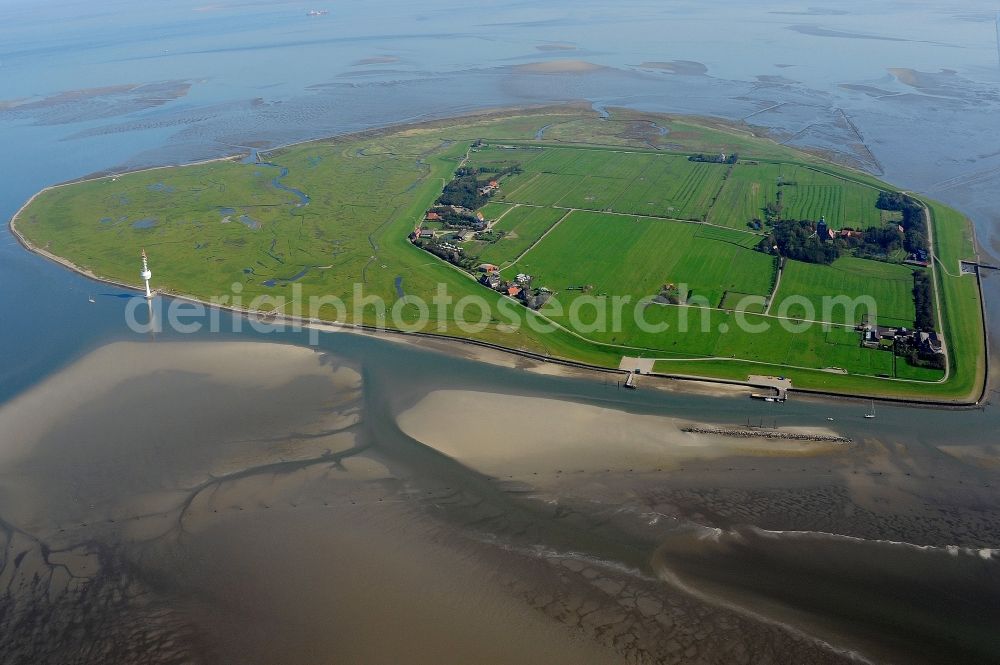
[(767, 434)]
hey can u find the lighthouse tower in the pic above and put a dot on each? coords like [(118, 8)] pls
[(146, 275)]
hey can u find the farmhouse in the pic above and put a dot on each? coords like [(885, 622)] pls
[(487, 267), (869, 337), (875, 336), (489, 188), (433, 217), (885, 332), (930, 342), (490, 279), (513, 291)]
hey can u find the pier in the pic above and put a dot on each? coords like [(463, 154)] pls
[(630, 381), (779, 384)]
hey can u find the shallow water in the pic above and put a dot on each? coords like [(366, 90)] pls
[(885, 599), (247, 489)]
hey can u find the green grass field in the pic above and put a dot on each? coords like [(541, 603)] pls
[(806, 194), (648, 253), (543, 189), (669, 185), (207, 227), (888, 285), (523, 225), (612, 180)]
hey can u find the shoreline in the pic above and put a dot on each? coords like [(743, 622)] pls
[(665, 381), (721, 385), (684, 382)]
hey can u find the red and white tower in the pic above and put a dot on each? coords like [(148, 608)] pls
[(146, 275)]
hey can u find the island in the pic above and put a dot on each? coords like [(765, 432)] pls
[(678, 246)]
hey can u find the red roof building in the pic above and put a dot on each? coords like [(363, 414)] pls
[(513, 291)]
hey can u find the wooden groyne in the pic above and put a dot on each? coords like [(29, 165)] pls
[(767, 434)]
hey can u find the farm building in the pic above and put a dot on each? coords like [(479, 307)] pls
[(885, 332), (930, 342), (489, 188)]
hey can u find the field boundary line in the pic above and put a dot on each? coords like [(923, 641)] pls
[(774, 291), (542, 237), (505, 213), (523, 185), (718, 193)]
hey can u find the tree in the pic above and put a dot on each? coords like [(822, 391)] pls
[(797, 240)]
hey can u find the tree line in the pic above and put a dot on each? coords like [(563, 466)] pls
[(464, 188), (923, 301), (914, 221), (714, 159)]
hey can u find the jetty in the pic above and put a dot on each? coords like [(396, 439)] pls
[(630, 381), (779, 384)]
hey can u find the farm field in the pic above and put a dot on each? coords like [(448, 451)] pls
[(523, 226), (623, 255), (806, 194), (694, 336), (543, 189), (595, 193), (493, 211), (630, 182), (673, 187), (669, 185), (889, 285), (331, 218)]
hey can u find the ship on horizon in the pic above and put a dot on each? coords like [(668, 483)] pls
[(318, 12)]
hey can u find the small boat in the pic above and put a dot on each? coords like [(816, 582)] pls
[(91, 299), (871, 414), (830, 419)]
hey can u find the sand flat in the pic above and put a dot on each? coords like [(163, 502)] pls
[(201, 504), (559, 67), (521, 435), (137, 420)]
